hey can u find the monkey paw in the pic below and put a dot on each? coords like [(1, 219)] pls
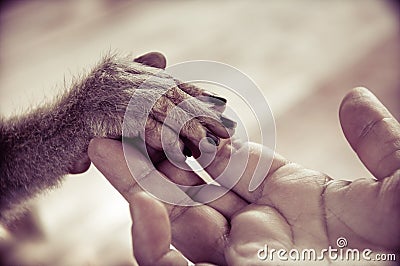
[(137, 98)]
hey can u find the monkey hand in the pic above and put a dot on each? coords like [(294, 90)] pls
[(135, 98), (118, 98)]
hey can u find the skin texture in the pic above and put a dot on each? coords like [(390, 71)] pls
[(38, 148), (294, 207)]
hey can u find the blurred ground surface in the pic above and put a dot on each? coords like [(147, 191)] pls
[(304, 55)]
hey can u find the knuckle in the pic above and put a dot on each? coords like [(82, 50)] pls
[(190, 89), (389, 163), (368, 128)]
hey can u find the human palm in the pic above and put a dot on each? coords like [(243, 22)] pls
[(293, 208), (297, 209)]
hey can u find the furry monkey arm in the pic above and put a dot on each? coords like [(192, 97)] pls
[(38, 148)]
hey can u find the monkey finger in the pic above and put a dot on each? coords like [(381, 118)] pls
[(224, 127), (202, 94), (165, 111), (202, 139), (215, 122), (161, 137)]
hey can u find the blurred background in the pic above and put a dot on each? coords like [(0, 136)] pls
[(304, 55)]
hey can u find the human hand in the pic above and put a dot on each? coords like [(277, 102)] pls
[(294, 207)]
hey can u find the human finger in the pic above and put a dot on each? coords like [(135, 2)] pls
[(81, 165), (372, 132), (108, 157), (125, 166), (151, 232), (224, 201), (238, 165), (198, 232), (251, 228), (153, 59)]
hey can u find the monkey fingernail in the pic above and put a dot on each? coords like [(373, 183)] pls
[(227, 122), (218, 101), (214, 140), (187, 152)]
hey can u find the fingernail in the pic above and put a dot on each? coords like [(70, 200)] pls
[(227, 122), (219, 101), (187, 152), (212, 139)]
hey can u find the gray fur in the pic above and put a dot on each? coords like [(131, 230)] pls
[(37, 149)]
